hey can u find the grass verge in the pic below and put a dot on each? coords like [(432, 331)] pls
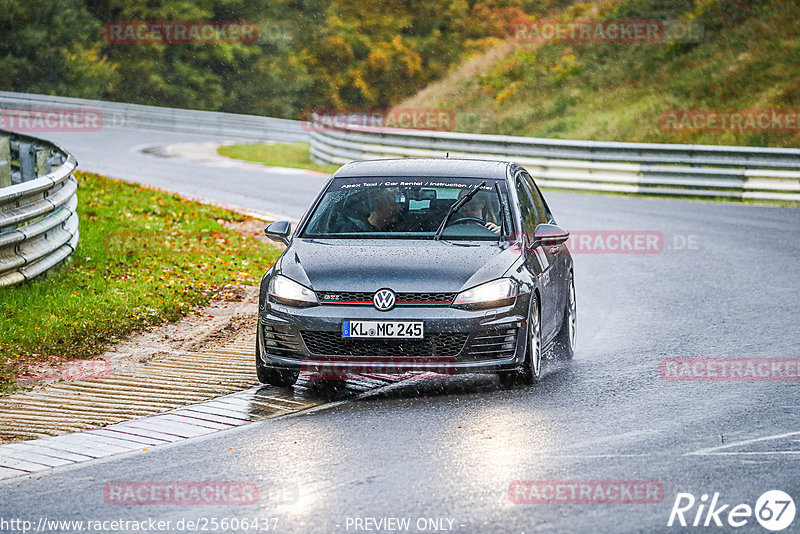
[(144, 257), (292, 155)]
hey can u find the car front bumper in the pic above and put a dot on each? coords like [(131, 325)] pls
[(455, 340)]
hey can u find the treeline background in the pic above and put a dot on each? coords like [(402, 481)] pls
[(310, 54)]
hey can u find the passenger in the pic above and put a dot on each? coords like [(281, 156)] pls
[(384, 212)]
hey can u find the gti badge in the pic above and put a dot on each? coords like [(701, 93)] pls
[(384, 300)]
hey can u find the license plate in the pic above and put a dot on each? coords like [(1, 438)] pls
[(383, 329)]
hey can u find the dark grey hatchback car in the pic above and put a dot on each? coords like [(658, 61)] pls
[(444, 265)]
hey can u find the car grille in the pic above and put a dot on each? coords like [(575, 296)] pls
[(403, 299), (493, 344), (432, 346), (279, 341)]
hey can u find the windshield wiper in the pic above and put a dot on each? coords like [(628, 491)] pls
[(457, 205), (502, 212)]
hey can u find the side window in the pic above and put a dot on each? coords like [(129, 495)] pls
[(529, 220), (542, 214), (547, 211)]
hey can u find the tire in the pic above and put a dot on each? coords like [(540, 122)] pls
[(531, 370), (564, 345), (273, 375)]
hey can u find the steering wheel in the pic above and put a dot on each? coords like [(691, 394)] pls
[(468, 220)]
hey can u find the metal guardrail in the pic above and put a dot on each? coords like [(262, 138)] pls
[(138, 117), (38, 202), (661, 169)]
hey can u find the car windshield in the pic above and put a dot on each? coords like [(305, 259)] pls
[(410, 208)]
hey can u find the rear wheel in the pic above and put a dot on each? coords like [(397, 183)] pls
[(531, 369), (273, 375), (564, 347)]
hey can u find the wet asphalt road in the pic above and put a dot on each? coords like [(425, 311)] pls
[(119, 153), (450, 448)]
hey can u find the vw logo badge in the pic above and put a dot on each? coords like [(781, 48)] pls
[(384, 300)]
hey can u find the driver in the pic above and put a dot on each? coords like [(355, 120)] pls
[(480, 207)]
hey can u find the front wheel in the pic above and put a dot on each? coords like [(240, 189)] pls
[(564, 347), (273, 375), (531, 370)]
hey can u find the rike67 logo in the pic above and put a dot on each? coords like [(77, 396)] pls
[(774, 510)]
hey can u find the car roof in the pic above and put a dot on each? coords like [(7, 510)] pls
[(435, 167)]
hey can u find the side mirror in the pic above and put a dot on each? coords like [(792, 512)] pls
[(279, 231), (548, 235)]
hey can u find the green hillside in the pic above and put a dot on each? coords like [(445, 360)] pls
[(747, 57)]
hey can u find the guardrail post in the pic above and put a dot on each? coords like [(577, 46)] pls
[(27, 162), (42, 163), (55, 160), (5, 161)]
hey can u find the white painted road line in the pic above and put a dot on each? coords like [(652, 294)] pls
[(210, 417), (211, 409), (134, 432), (143, 440), (14, 463), (204, 423), (34, 457), (750, 453), (6, 472), (93, 443), (713, 450), (81, 449), (118, 442), (167, 427), (224, 407), (47, 452)]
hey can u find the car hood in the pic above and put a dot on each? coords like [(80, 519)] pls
[(403, 266)]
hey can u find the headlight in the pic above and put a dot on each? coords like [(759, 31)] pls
[(286, 291), (489, 295)]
